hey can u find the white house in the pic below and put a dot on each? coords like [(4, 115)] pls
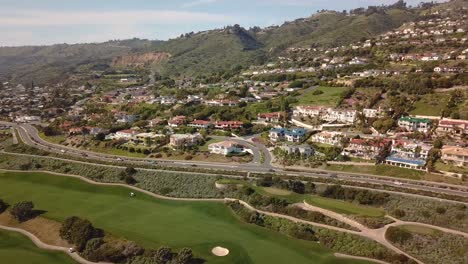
[(125, 134), (328, 137), (226, 148)]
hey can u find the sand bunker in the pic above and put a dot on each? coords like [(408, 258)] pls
[(220, 251)]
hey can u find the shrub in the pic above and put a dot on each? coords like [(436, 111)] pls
[(398, 235), (3, 206), (441, 210), (79, 231), (22, 211), (398, 213)]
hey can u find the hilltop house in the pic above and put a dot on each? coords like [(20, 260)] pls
[(303, 150), (455, 155), (293, 135), (184, 140), (408, 154), (365, 148), (226, 148), (227, 125), (177, 121), (309, 111), (275, 117), (328, 137), (453, 127), (413, 124), (125, 134), (200, 124)]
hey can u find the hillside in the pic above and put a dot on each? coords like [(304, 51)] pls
[(222, 51)]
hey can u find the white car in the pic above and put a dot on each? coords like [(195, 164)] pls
[(71, 250)]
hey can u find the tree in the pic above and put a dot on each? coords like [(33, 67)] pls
[(3, 206), (130, 170), (184, 256), (163, 255), (22, 211), (79, 231), (297, 187)]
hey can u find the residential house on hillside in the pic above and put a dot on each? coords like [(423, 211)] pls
[(295, 135), (226, 148), (453, 127), (365, 148), (275, 117), (221, 102), (303, 150), (328, 137), (227, 125), (200, 124), (308, 111), (413, 124), (408, 154), (184, 140), (125, 134), (337, 115), (455, 155), (177, 121)]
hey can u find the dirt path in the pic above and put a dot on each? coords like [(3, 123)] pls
[(45, 246)]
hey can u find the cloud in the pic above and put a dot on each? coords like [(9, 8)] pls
[(198, 3), (34, 18)]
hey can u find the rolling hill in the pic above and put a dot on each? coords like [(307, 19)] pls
[(222, 51)]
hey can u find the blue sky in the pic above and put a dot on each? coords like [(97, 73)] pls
[(42, 22)]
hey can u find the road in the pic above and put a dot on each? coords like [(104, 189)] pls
[(30, 136)]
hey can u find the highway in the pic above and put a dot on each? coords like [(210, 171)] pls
[(30, 136)]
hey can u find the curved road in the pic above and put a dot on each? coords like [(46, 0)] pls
[(30, 136)]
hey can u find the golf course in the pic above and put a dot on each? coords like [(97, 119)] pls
[(16, 248), (153, 222)]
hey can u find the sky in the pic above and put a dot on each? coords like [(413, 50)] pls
[(45, 22)]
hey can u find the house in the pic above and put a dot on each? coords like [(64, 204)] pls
[(453, 127), (125, 134), (365, 148), (337, 115), (127, 119), (310, 111), (277, 134), (227, 125), (415, 124), (184, 140), (328, 137), (295, 134), (221, 102), (177, 121), (146, 138), (303, 150), (275, 117), (456, 155), (27, 119), (200, 124), (371, 113), (408, 154), (226, 148)]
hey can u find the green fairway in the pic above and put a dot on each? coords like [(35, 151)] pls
[(18, 249), (329, 97), (344, 207), (153, 222)]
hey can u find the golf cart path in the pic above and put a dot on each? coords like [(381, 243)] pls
[(377, 235), (45, 246), (339, 255)]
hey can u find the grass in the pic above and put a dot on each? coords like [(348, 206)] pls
[(439, 165), (208, 142), (329, 97), (153, 222), (430, 104), (16, 248), (420, 230), (337, 206), (343, 207), (52, 139)]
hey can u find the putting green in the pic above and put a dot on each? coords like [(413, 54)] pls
[(18, 249), (153, 222)]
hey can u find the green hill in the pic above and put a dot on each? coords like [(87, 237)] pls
[(223, 51)]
